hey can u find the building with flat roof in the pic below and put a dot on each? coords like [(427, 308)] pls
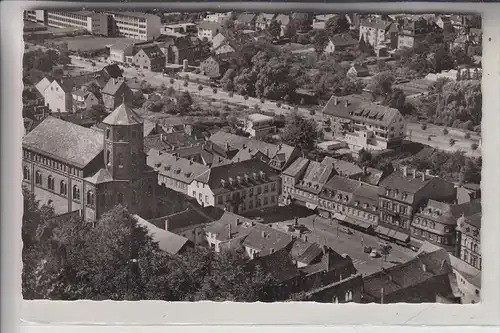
[(136, 25), (94, 23), (259, 126)]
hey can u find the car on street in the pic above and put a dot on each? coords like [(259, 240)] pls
[(374, 254), (367, 249)]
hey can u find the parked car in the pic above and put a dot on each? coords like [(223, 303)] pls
[(367, 249), (374, 254)]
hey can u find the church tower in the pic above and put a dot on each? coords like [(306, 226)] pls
[(124, 156)]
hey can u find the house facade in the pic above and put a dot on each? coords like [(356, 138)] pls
[(83, 100), (237, 187), (374, 31), (58, 97), (340, 43), (468, 239), (116, 92), (70, 167), (135, 25), (119, 51), (259, 126), (94, 23), (208, 30), (213, 67), (150, 58), (412, 33)]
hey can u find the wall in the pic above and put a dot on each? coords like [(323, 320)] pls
[(470, 293), (56, 99), (196, 188)]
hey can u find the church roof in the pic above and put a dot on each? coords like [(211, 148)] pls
[(123, 115), (101, 176)]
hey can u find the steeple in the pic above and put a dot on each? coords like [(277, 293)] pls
[(123, 115)]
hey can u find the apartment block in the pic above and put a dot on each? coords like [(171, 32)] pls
[(94, 23)]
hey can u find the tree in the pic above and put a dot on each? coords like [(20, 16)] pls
[(423, 127), (214, 90), (382, 84), (227, 80), (445, 131), (300, 132), (274, 28), (365, 158), (244, 83), (396, 99), (320, 41), (385, 250), (337, 25), (200, 88), (290, 29), (172, 81), (185, 84), (184, 102), (97, 112)]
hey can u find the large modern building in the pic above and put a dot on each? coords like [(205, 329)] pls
[(136, 25), (95, 23), (70, 167)]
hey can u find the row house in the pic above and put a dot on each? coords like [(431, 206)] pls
[(239, 148), (379, 32), (436, 222), (402, 194), (365, 125), (350, 202), (174, 172), (303, 181), (469, 238), (237, 187)]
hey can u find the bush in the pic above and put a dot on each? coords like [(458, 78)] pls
[(467, 136), (452, 141), (445, 131), (424, 127), (328, 129), (312, 112)]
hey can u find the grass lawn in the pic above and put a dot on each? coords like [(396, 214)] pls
[(85, 43)]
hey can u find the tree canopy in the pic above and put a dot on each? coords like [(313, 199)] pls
[(300, 132), (337, 25)]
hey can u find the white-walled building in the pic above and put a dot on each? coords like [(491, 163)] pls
[(95, 23), (220, 18), (136, 25), (259, 125), (208, 30)]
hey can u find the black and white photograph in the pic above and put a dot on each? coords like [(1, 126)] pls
[(251, 156)]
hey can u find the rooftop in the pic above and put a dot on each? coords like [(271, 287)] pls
[(230, 226), (278, 264), (175, 167), (343, 40), (297, 166), (259, 117), (123, 115), (167, 241), (209, 25), (266, 240), (343, 168), (101, 176), (113, 86), (65, 141)]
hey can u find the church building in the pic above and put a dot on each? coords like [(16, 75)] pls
[(71, 167)]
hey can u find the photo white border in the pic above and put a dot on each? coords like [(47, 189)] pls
[(208, 313)]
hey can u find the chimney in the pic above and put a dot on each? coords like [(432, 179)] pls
[(414, 173), (424, 267), (346, 103), (391, 278), (167, 225), (263, 234), (423, 177), (335, 100), (405, 170), (238, 222), (381, 295), (267, 152), (229, 230)]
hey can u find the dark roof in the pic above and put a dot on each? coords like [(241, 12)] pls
[(342, 168), (153, 52), (448, 214), (305, 252), (297, 166), (175, 167), (123, 115), (267, 240), (236, 170), (343, 40), (397, 180), (278, 264), (408, 274), (343, 184), (209, 25), (112, 71), (113, 86), (190, 217), (246, 18), (342, 106), (230, 226), (315, 177), (65, 141), (474, 220)]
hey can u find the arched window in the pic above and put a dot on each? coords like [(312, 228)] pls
[(26, 173), (120, 160), (38, 177), (63, 188), (475, 247), (76, 193), (335, 299), (120, 198), (134, 197), (108, 133), (348, 296), (50, 183), (466, 256), (108, 157), (90, 198)]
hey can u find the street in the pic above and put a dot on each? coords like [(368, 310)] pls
[(325, 232), (414, 130)]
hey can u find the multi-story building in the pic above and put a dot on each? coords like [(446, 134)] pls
[(263, 21), (469, 239), (179, 28), (208, 30), (83, 100), (71, 167), (259, 126), (116, 92), (303, 181), (246, 20), (378, 32), (412, 33), (58, 97), (219, 18), (402, 194), (214, 66), (436, 222), (237, 187), (150, 58), (365, 125), (350, 202), (95, 23), (136, 25), (174, 172), (38, 16), (340, 43)]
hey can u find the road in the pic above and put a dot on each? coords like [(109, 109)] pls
[(414, 130), (325, 232)]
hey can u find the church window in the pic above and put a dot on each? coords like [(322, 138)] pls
[(50, 183), (76, 193), (26, 173), (63, 188), (90, 198), (38, 178)]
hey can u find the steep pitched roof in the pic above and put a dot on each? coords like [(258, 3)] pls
[(343, 40), (167, 241), (246, 18), (267, 240), (175, 167), (376, 24), (65, 141), (342, 168), (123, 115), (113, 86), (283, 19), (315, 177), (101, 176), (338, 183), (42, 85), (278, 264), (153, 52), (112, 71), (305, 252), (298, 165)]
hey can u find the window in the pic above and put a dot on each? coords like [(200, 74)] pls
[(90, 198), (76, 193), (63, 188), (134, 197), (266, 188), (259, 190), (258, 203), (194, 194), (119, 198), (475, 248), (273, 187), (206, 198), (50, 183), (120, 160), (466, 256), (266, 200), (250, 204), (134, 159), (200, 197), (432, 225), (134, 134), (26, 173), (108, 133), (273, 199)]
